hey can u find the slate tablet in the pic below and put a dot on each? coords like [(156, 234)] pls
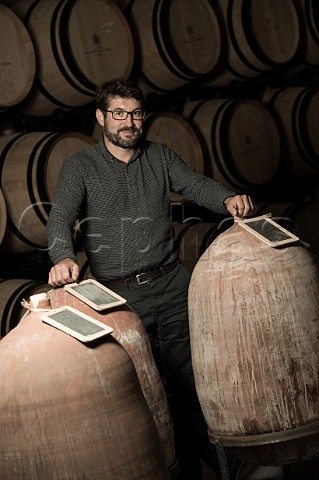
[(76, 323), (268, 230), (95, 294)]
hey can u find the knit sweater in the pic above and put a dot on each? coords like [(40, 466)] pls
[(124, 209)]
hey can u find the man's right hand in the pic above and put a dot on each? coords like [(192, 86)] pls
[(66, 271)]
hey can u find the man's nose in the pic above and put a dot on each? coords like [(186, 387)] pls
[(129, 118)]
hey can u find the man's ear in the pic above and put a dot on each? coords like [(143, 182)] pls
[(100, 117)]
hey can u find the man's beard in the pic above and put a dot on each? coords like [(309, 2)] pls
[(118, 141)]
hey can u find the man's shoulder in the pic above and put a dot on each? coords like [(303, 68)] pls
[(151, 146), (84, 155)]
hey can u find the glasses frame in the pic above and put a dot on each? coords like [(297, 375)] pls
[(127, 114)]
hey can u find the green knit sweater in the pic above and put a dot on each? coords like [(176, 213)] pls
[(124, 209)]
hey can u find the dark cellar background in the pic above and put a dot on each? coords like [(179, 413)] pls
[(293, 198), (283, 187)]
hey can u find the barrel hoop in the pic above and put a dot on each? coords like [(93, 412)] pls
[(2, 158), (214, 144), (37, 82), (40, 174), (25, 290), (156, 16), (310, 18), (50, 97), (137, 67), (208, 238), (223, 61), (271, 102), (10, 223), (224, 146), (304, 104), (252, 43), (231, 69), (264, 438), (128, 8), (296, 127), (40, 182), (231, 34), (5, 327), (84, 268), (147, 123), (5, 151), (19, 235), (148, 82), (195, 110), (164, 13), (182, 233), (70, 62), (28, 13)]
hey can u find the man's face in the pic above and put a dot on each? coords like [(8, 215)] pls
[(124, 133)]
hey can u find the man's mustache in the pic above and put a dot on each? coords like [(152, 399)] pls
[(128, 129)]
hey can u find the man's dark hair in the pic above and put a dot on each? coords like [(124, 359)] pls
[(122, 87)]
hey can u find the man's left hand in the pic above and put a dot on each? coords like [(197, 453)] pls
[(240, 205)]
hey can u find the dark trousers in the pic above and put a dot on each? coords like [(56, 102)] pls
[(162, 305)]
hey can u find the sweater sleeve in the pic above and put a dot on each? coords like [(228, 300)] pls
[(65, 210), (196, 187)]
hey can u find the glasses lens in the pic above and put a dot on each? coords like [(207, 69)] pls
[(138, 114), (122, 114), (119, 114)]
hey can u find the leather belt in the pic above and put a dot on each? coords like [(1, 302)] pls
[(142, 277)]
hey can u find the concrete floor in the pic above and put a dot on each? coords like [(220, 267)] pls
[(251, 472), (308, 470)]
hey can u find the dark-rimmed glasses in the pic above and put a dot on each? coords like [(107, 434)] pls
[(123, 114)]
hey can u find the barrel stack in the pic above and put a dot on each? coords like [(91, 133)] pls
[(232, 86)]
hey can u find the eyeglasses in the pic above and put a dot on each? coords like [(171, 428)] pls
[(123, 114)]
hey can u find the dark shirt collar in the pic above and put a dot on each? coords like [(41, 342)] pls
[(107, 154)]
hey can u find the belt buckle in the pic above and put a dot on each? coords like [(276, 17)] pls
[(140, 282)]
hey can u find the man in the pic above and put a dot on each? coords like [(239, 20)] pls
[(120, 191)]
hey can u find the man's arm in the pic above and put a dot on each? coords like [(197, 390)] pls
[(204, 190), (66, 271), (60, 226)]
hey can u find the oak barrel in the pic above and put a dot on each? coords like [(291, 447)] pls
[(301, 218), (12, 292), (254, 337), (78, 44), (241, 138), (176, 41), (296, 112), (17, 59), (30, 163), (257, 36), (84, 265), (71, 411), (177, 133), (306, 225), (309, 20), (3, 216), (192, 238)]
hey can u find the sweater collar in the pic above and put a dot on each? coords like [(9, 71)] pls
[(107, 154)]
